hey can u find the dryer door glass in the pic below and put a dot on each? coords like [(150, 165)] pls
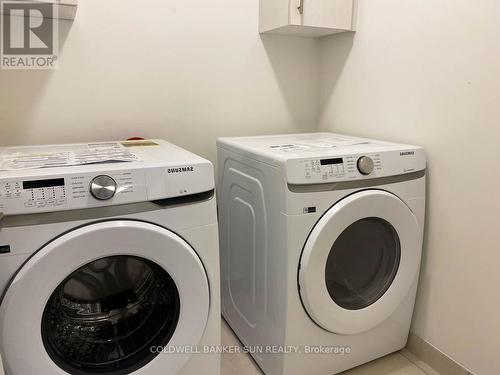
[(106, 316), (362, 263)]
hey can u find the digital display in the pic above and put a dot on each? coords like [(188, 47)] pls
[(332, 161), (36, 184)]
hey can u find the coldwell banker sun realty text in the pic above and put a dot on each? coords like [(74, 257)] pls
[(29, 35)]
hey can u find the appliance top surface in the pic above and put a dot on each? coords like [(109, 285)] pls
[(38, 179), (147, 154), (298, 146), (318, 158)]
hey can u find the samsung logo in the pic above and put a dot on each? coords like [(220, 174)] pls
[(180, 169), (407, 153)]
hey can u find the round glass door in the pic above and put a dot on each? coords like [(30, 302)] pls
[(362, 263), (107, 315), (359, 262), (108, 295)]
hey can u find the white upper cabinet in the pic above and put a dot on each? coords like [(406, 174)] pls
[(313, 18)]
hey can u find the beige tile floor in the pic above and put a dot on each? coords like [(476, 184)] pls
[(394, 364)]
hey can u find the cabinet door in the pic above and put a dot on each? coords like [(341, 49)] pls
[(335, 14)]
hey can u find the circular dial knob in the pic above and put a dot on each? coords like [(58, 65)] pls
[(365, 165), (103, 187)]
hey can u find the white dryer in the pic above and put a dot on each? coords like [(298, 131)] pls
[(321, 240), (108, 268)]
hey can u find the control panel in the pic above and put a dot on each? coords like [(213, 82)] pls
[(47, 192), (35, 193), (352, 167), (71, 192), (321, 170)]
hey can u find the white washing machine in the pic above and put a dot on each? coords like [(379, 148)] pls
[(108, 268), (321, 240)]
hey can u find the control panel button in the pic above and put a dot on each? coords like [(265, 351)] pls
[(103, 187), (365, 165)]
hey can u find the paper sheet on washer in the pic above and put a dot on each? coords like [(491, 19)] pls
[(318, 144), (62, 156)]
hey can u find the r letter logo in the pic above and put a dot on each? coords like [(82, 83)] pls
[(28, 35)]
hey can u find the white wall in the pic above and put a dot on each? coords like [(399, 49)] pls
[(425, 72), (428, 72), (187, 71)]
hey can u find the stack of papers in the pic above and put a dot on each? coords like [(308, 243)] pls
[(46, 158)]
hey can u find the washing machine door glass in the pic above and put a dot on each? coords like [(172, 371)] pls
[(109, 313), (106, 298), (362, 263), (359, 262)]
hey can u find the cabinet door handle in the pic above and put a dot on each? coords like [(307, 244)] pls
[(301, 7)]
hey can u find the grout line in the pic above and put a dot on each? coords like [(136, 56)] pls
[(433, 359), (415, 363)]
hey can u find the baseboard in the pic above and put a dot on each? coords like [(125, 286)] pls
[(430, 359)]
